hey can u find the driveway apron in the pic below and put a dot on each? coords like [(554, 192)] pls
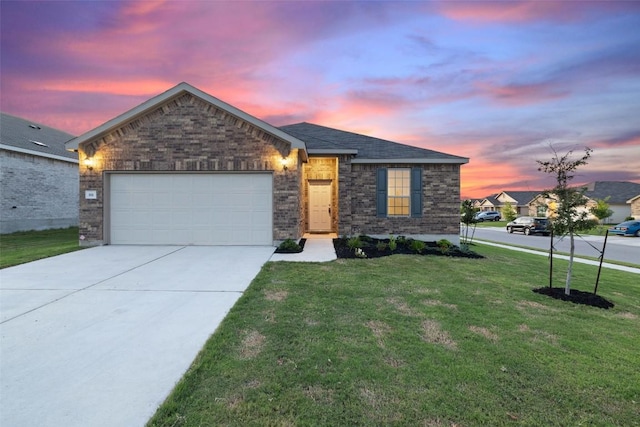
[(100, 337)]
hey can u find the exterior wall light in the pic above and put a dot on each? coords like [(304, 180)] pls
[(89, 163), (283, 161)]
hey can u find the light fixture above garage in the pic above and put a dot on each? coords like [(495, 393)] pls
[(284, 162), (89, 163)]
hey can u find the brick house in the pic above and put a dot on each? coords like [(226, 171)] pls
[(38, 177), (187, 168)]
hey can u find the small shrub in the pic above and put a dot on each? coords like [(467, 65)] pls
[(629, 218), (354, 243), (402, 241), (393, 243), (444, 245), (289, 245), (417, 246), (381, 246)]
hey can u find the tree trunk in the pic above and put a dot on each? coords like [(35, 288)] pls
[(567, 287)]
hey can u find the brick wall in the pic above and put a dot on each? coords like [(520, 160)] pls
[(37, 193), (188, 134), (440, 208)]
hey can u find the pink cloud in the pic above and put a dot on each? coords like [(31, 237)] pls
[(521, 94), (529, 10)]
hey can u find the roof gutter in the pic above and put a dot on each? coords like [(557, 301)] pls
[(458, 161)]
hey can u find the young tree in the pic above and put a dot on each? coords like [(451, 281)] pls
[(467, 217), (508, 212), (602, 210), (567, 218)]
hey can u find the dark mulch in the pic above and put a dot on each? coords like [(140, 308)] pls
[(371, 250), (292, 251), (576, 297)]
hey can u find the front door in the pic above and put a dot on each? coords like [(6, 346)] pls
[(320, 206)]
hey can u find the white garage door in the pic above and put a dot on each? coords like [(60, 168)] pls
[(191, 209)]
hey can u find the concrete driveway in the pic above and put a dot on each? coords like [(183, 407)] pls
[(99, 337)]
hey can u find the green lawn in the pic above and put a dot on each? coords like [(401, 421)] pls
[(25, 246), (417, 341)]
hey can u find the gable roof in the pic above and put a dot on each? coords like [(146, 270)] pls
[(522, 197), (325, 140), (618, 191), (173, 93), (25, 136)]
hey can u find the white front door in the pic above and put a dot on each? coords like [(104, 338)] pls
[(320, 206)]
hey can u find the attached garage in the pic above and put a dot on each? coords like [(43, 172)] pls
[(190, 208)]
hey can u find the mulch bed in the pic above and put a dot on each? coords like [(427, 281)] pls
[(370, 249), (576, 297), (290, 251)]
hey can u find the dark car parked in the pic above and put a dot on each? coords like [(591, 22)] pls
[(487, 216), (530, 225)]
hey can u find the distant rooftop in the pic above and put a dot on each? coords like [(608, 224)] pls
[(23, 135)]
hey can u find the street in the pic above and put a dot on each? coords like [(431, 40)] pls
[(624, 249)]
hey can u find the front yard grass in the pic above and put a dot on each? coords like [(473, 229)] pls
[(411, 340), (26, 246)]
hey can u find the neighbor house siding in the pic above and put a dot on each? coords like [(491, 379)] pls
[(440, 202), (188, 134), (37, 193)]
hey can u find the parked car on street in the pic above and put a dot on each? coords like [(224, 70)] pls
[(627, 228), (487, 216), (530, 225)]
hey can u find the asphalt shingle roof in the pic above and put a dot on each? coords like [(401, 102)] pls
[(319, 137), (523, 197), (34, 137), (618, 191)]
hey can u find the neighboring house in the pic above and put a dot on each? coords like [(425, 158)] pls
[(618, 194), (489, 203), (634, 204), (187, 168), (518, 199), (39, 178)]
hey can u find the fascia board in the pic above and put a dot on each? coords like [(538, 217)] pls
[(331, 151)]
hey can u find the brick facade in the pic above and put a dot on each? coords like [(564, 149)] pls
[(187, 134), (440, 207), (37, 193)]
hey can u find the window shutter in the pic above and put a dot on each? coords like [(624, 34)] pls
[(416, 192), (381, 193)]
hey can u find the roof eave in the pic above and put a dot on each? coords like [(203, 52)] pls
[(37, 153), (456, 161), (170, 94)]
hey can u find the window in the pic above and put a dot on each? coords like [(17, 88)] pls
[(541, 210), (398, 192)]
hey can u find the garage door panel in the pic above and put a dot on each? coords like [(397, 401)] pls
[(198, 209)]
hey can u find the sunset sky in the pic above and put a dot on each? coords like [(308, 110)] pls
[(498, 82)]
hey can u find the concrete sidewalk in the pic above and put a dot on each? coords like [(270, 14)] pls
[(318, 248), (565, 257)]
